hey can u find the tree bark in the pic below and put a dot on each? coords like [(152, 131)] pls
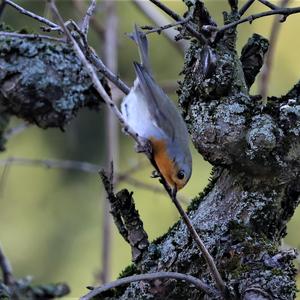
[(43, 82)]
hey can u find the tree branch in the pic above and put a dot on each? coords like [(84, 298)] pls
[(32, 15), (177, 18), (87, 167), (245, 7), (282, 11), (100, 66), (69, 86), (94, 21), (152, 276), (149, 187), (164, 27), (33, 36), (160, 20), (126, 217), (269, 4), (86, 20), (54, 164), (9, 133), (167, 10)]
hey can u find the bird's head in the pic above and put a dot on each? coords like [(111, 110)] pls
[(173, 162), (180, 172)]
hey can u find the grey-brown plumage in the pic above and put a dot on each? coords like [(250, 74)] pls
[(153, 115)]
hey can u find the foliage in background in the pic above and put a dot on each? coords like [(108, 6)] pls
[(51, 220)]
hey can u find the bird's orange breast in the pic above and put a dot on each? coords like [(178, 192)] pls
[(164, 163)]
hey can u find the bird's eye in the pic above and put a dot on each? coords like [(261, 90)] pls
[(180, 175)]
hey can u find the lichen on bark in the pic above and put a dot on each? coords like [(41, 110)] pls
[(43, 81), (24, 289)]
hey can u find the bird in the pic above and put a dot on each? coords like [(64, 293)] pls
[(154, 117)]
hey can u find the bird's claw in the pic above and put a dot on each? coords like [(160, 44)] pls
[(139, 148), (155, 174), (144, 146)]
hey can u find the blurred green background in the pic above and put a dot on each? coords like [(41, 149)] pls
[(51, 220)]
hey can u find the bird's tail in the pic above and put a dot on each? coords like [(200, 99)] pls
[(141, 40)]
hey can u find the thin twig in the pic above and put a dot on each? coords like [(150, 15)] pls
[(95, 24), (245, 7), (101, 67), (167, 10), (53, 164), (167, 26), (177, 17), (269, 4), (9, 133), (152, 276), (152, 188), (208, 258), (97, 84), (155, 16), (6, 268), (82, 166), (282, 11), (31, 14), (31, 36), (267, 67), (86, 20), (126, 217)]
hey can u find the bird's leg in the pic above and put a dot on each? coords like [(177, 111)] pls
[(174, 191), (155, 174), (144, 146)]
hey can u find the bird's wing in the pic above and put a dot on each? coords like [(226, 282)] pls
[(162, 110), (141, 40), (161, 107)]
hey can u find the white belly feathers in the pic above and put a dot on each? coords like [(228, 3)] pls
[(135, 110)]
